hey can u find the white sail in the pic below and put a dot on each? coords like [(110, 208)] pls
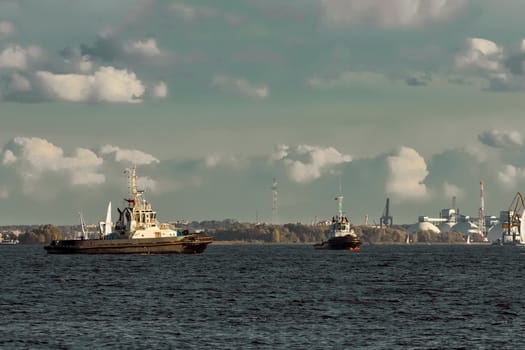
[(82, 225), (108, 225)]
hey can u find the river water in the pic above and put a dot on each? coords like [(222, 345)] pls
[(265, 297)]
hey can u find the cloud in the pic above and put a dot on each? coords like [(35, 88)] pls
[(107, 84), (392, 13), (418, 79), (15, 83), (502, 69), (510, 175), (33, 156), (73, 78), (75, 61), (185, 11), (306, 163), (504, 82), (515, 62), (131, 155), (407, 171), (482, 54), (18, 57), (160, 90), (215, 160), (145, 182), (240, 87), (9, 157), (106, 47), (7, 29), (451, 172), (451, 190), (147, 48), (501, 139), (281, 152), (109, 48)]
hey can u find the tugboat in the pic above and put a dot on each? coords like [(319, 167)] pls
[(136, 232), (4, 240), (341, 234)]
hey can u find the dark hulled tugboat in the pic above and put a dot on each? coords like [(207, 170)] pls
[(341, 234), (137, 231)]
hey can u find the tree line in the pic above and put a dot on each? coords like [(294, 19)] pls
[(230, 230)]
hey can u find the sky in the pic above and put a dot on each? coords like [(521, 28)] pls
[(412, 100)]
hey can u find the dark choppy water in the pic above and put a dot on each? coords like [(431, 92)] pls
[(265, 297)]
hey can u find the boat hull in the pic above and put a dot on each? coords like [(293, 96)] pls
[(340, 243), (191, 244)]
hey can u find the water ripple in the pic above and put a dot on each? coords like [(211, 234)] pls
[(265, 297)]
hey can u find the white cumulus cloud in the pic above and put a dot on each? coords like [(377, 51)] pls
[(306, 163), (107, 84), (18, 57), (32, 156), (407, 171), (510, 175), (281, 151), (502, 68), (482, 54), (9, 157), (132, 155)]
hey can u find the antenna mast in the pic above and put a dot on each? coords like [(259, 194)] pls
[(481, 214), (132, 181), (339, 199), (274, 201)]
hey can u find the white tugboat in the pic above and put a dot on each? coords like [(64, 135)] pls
[(341, 234), (136, 231)]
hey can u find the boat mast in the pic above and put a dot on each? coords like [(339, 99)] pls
[(132, 182), (339, 199)]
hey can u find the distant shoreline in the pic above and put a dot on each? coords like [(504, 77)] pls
[(364, 243), (257, 243)]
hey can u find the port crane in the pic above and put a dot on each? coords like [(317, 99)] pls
[(513, 225), (386, 219)]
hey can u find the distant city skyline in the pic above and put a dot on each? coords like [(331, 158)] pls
[(416, 101)]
